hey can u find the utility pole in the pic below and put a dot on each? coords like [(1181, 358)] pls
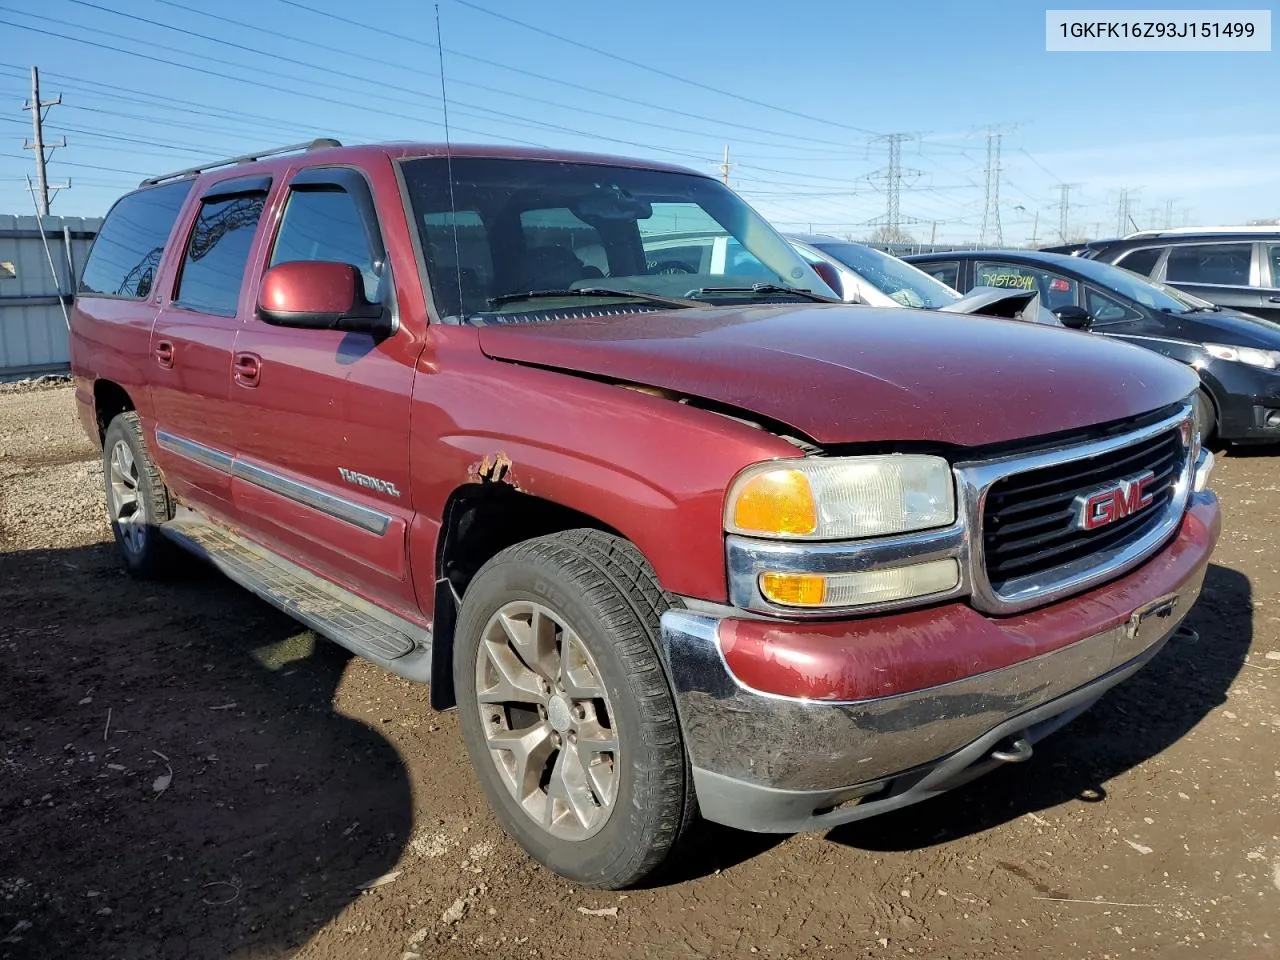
[(1168, 214), (724, 167), (39, 110), (933, 234), (1035, 228), (991, 209), (1122, 212), (1064, 210)]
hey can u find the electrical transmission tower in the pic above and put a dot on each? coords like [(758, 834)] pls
[(1064, 210), (892, 220), (991, 210), (1124, 219), (43, 151)]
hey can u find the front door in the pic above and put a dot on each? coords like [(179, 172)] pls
[(192, 341), (321, 417)]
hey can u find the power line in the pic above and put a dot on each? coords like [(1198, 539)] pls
[(825, 121)]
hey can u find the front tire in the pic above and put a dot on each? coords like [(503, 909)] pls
[(137, 501), (1206, 420), (566, 710)]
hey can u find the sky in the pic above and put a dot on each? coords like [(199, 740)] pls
[(803, 96)]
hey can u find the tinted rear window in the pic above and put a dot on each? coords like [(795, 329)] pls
[(217, 253), (127, 251), (1140, 261)]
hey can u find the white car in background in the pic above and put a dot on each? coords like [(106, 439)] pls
[(862, 274)]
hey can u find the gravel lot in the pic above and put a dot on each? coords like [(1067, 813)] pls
[(186, 773)]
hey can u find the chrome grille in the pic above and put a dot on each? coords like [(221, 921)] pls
[(1025, 546), (1030, 521)]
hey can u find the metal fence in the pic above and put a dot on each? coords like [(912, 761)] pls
[(33, 330)]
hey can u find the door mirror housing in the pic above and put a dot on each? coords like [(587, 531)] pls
[(320, 295), (1077, 318)]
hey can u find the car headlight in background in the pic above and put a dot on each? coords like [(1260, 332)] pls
[(1266, 359), (841, 498)]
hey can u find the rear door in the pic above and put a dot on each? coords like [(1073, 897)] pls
[(321, 417), (192, 340), (1225, 273), (1270, 308)]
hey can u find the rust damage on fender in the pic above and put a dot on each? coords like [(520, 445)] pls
[(493, 469)]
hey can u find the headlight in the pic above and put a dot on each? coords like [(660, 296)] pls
[(1267, 359), (841, 498)]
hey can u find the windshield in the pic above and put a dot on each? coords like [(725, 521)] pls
[(1135, 287), (539, 226), (900, 281)]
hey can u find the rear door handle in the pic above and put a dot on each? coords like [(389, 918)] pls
[(1273, 299), (247, 369), (164, 353)]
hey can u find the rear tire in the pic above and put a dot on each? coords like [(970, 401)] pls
[(565, 707), (137, 501)]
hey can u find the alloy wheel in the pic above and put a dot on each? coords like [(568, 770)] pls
[(547, 720), (128, 509)]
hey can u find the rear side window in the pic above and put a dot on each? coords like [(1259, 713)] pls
[(1225, 264), (1140, 261), (128, 248), (213, 268), (1055, 290)]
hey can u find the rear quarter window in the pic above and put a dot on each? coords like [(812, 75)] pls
[(1141, 261), (127, 251)]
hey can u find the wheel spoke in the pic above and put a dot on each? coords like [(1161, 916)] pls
[(534, 640), (569, 788), (505, 679), (527, 751), (597, 760), (576, 673)]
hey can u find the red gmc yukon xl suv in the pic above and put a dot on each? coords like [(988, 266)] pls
[(675, 533)]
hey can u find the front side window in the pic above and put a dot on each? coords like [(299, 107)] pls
[(1055, 290), (1141, 261), (1223, 264), (1105, 309), (556, 227), (326, 224), (213, 268), (127, 251)]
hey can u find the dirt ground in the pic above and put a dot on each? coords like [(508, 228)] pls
[(184, 773)]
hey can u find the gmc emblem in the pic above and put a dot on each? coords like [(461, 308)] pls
[(1114, 502)]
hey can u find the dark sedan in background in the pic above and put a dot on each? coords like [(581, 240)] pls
[(1236, 354)]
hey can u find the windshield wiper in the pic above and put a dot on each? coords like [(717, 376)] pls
[(591, 292), (763, 289)]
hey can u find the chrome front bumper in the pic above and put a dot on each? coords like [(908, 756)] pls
[(772, 763)]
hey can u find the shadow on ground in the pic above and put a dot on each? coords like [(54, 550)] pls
[(1135, 721), (277, 808)]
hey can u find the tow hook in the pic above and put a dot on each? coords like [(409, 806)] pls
[(1015, 750)]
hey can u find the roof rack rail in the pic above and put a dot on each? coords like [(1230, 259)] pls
[(319, 144)]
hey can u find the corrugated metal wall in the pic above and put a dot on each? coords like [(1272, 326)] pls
[(33, 331)]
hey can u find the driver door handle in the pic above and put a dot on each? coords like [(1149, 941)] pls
[(247, 369), (1273, 299)]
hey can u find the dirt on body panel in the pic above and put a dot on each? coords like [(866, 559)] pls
[(316, 808)]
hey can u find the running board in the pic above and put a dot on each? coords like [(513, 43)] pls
[(362, 627)]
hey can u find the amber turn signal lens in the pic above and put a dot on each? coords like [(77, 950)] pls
[(776, 502), (794, 589)]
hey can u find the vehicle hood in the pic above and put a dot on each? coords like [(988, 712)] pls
[(1231, 327), (841, 374)]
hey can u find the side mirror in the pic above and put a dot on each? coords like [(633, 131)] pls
[(829, 276), (320, 295), (1077, 318)]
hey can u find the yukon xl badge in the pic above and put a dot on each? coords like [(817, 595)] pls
[(1114, 502), (371, 483)]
